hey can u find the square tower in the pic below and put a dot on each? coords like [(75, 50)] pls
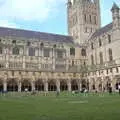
[(83, 19)]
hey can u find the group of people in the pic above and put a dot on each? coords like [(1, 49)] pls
[(110, 88)]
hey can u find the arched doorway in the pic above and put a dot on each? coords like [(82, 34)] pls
[(26, 85), (52, 86), (84, 84), (12, 85), (74, 85), (63, 85), (93, 84), (100, 85), (108, 83), (39, 85), (1, 85), (117, 83)]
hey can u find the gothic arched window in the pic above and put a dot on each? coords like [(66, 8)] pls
[(92, 46), (31, 52), (90, 17), (100, 42), (110, 54), (15, 51), (101, 58), (109, 38), (92, 59), (95, 20), (1, 50), (85, 18), (72, 51)]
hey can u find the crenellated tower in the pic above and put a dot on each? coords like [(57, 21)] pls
[(83, 19)]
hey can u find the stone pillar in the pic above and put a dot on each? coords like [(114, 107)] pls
[(19, 86), (69, 85), (33, 85), (5, 85), (58, 85), (46, 85), (79, 86), (113, 83), (90, 84)]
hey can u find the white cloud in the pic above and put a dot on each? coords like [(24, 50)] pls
[(6, 23), (29, 10)]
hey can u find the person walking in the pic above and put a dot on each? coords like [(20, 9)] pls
[(119, 88)]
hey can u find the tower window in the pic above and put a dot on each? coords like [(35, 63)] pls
[(1, 51), (101, 58), (109, 38), (110, 55), (83, 52), (92, 46), (92, 60), (100, 43), (117, 69), (90, 17), (85, 18), (95, 21)]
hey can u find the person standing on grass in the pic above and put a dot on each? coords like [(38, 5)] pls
[(119, 88), (110, 89), (57, 93)]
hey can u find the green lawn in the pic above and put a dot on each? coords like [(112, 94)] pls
[(64, 107)]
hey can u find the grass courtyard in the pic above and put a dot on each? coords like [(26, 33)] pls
[(64, 107)]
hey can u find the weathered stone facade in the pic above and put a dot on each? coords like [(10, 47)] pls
[(43, 62), (50, 62), (102, 44)]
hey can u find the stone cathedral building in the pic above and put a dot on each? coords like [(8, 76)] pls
[(88, 58)]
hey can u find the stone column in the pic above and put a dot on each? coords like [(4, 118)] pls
[(19, 86), (58, 85), (33, 85), (46, 85), (69, 85), (113, 83), (79, 86), (5, 85)]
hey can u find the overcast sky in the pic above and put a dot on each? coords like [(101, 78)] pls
[(43, 15)]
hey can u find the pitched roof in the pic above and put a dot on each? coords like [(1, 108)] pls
[(102, 30), (28, 34), (115, 6)]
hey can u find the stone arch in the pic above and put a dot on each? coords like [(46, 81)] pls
[(100, 85), (63, 85), (85, 84), (1, 85), (117, 82), (108, 83), (52, 85), (26, 84), (74, 85), (12, 85), (93, 84), (39, 85)]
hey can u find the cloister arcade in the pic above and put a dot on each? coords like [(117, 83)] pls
[(92, 84)]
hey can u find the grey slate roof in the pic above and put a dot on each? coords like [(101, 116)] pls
[(34, 35), (115, 6), (102, 31)]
